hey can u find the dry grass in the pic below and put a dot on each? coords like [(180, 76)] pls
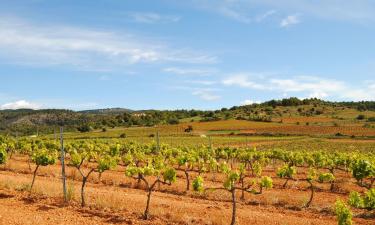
[(172, 204)]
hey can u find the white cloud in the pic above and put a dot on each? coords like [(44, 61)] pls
[(202, 82), (150, 17), (307, 83), (234, 14), (307, 86), (290, 20), (242, 80), (206, 95), (249, 102), (350, 10), (48, 45), (318, 94), (265, 15), (189, 71), (21, 104)]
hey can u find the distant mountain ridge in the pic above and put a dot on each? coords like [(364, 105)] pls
[(28, 121), (107, 111)]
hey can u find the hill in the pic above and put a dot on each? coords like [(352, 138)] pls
[(28, 121)]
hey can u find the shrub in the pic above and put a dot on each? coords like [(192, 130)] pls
[(286, 171), (170, 175), (361, 117), (367, 202), (369, 199), (3, 155), (84, 128), (42, 157), (198, 184), (173, 121), (362, 169), (343, 213), (355, 200), (326, 177), (266, 182), (189, 129)]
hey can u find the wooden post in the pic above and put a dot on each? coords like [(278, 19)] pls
[(63, 163), (158, 141)]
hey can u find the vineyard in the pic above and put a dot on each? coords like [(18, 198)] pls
[(156, 183), (195, 112)]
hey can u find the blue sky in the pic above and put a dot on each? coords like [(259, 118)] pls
[(165, 54)]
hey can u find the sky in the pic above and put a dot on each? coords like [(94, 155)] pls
[(173, 54)]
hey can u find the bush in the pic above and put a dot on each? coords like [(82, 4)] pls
[(266, 182), (170, 175), (189, 129), (369, 199), (198, 184), (286, 171), (361, 117), (343, 213), (43, 157), (173, 121), (355, 200), (362, 169), (3, 155), (326, 177), (84, 128), (367, 202)]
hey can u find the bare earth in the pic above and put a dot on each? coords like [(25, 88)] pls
[(117, 201)]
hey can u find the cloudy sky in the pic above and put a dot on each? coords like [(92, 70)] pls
[(169, 54)]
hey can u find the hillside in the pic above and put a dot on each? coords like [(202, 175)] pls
[(319, 112)]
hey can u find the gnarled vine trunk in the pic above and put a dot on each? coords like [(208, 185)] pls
[(34, 175), (311, 195), (233, 222), (187, 180)]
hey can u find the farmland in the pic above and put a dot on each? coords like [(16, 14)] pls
[(292, 169), (209, 112)]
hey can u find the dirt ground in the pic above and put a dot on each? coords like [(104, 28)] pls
[(117, 200)]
